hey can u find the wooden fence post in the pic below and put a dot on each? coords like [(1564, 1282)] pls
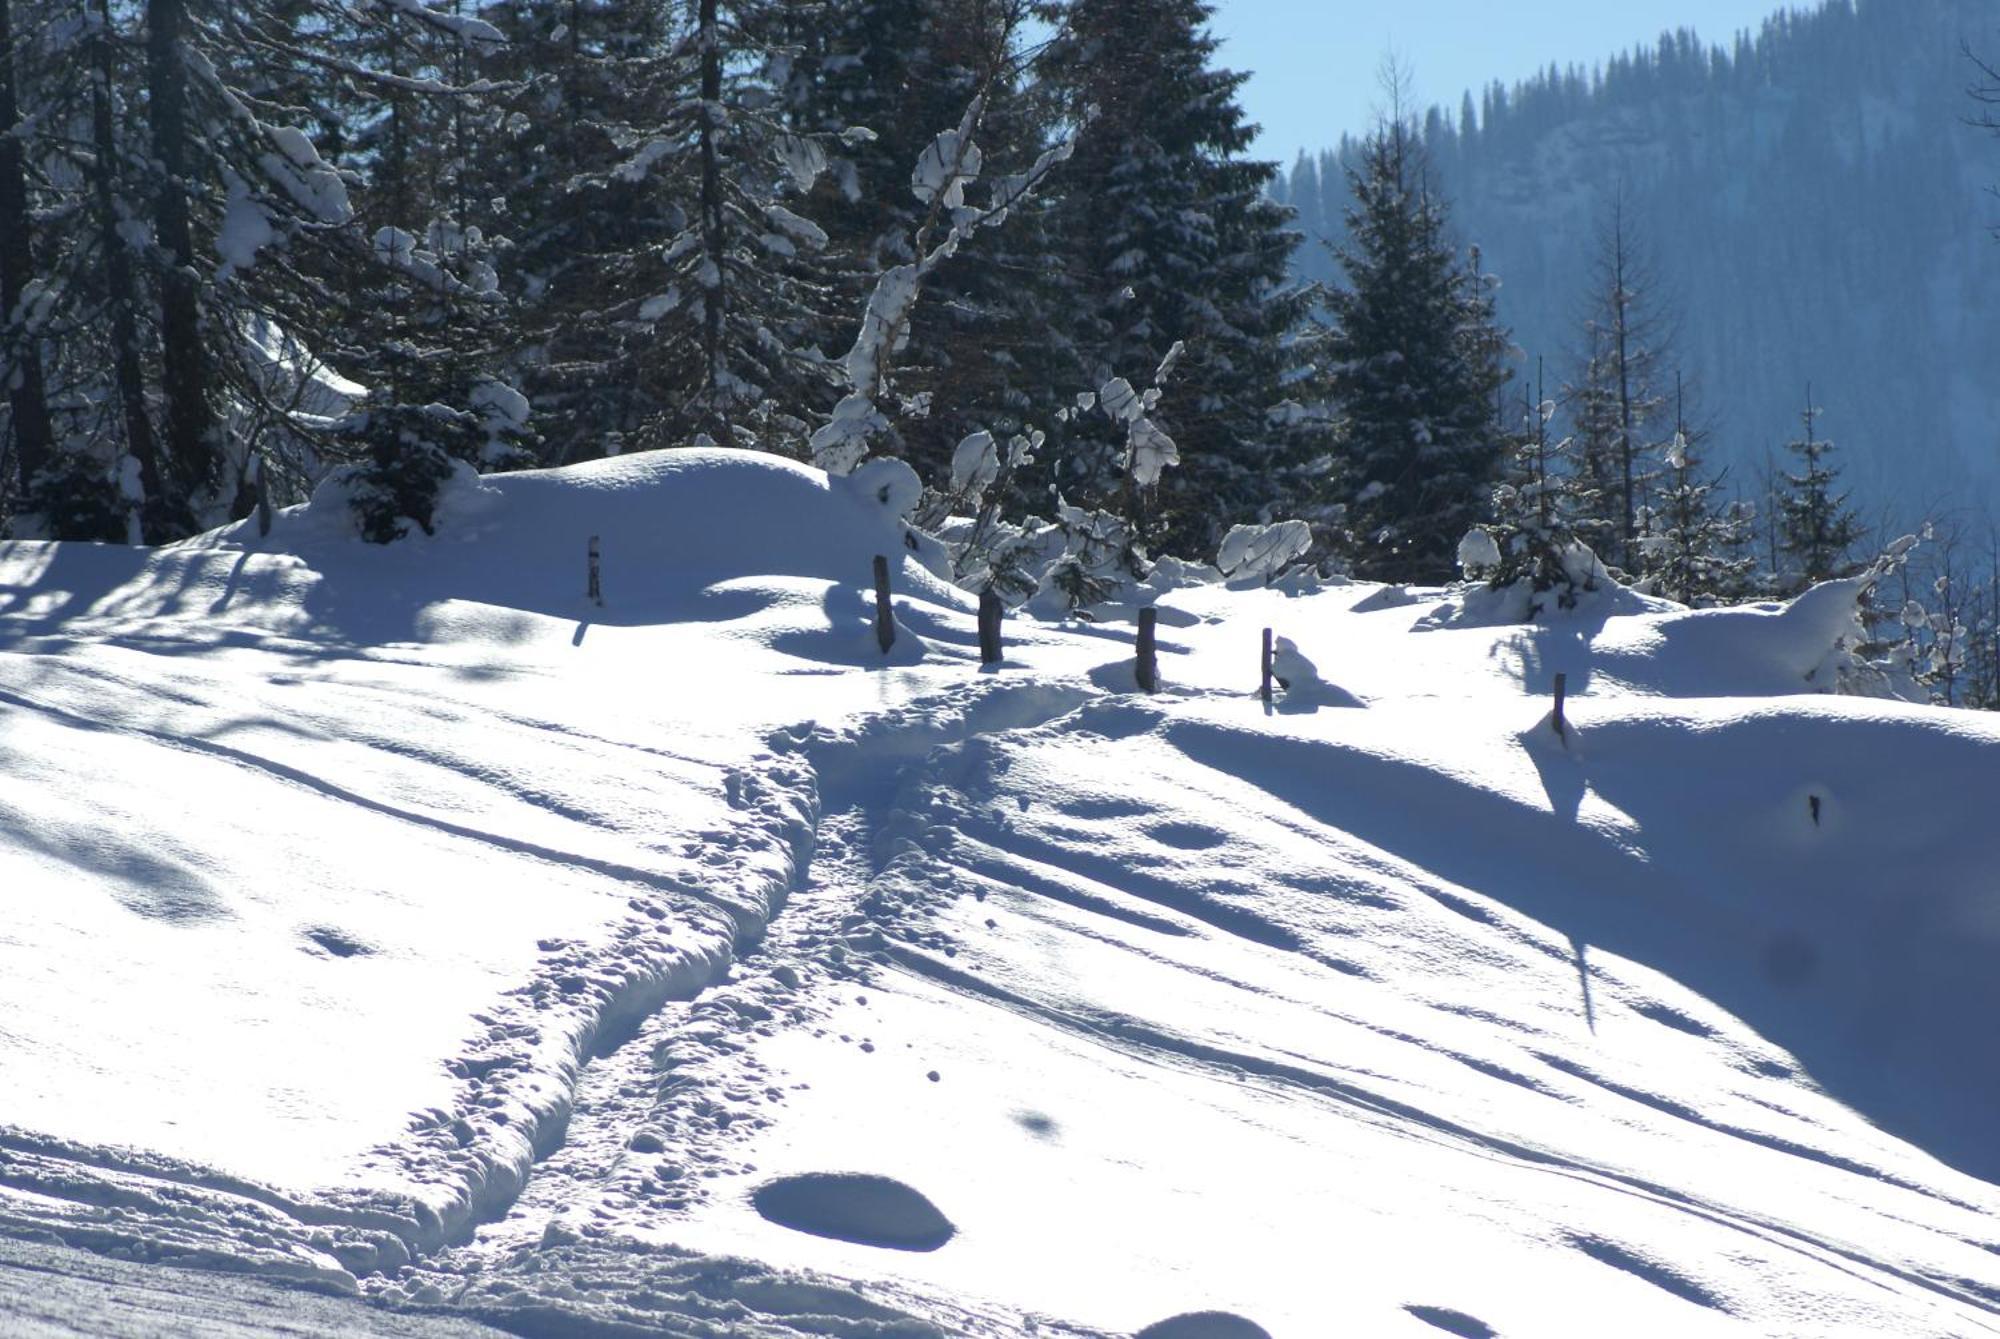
[(1149, 653), (596, 591), (885, 621), (263, 499), (1562, 726), (990, 613), (1264, 690)]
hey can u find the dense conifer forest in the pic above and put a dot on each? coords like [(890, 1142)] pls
[(253, 250)]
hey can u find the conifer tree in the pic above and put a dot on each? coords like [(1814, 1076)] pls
[(1693, 549), (1171, 240), (30, 433), (1817, 530), (1413, 362), (988, 349), (1618, 394), (1531, 534), (585, 187)]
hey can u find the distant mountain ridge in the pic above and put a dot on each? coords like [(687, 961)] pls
[(1816, 207)]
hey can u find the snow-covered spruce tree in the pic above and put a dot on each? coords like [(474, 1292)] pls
[(1412, 362), (1695, 539), (91, 319), (1530, 536), (573, 178), (946, 172), (750, 300), (212, 268), (1591, 497), (672, 293), (1618, 393), (988, 350), (423, 323), (1170, 239), (1817, 531)]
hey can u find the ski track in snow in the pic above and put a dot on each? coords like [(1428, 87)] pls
[(964, 910)]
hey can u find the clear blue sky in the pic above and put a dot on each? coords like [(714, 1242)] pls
[(1315, 61)]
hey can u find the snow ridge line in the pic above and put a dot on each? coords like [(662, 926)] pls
[(610, 869), (1151, 1042)]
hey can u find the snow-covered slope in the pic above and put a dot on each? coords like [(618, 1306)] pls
[(398, 921)]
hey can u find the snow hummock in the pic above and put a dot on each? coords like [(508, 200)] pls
[(397, 920)]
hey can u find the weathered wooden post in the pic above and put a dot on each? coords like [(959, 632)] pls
[(990, 611), (1561, 725), (596, 592), (885, 621), (1264, 690), (1149, 653)]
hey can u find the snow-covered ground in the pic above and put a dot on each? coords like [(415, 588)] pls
[(398, 922)]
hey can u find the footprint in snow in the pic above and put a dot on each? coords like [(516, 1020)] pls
[(1204, 1325), (336, 942), (860, 1207)]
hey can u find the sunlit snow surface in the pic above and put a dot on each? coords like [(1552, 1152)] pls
[(397, 920)]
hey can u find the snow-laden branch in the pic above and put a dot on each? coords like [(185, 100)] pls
[(949, 164)]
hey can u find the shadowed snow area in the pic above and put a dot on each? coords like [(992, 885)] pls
[(397, 922)]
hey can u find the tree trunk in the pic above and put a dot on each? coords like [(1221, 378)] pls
[(122, 285), (1621, 307), (33, 438), (712, 294), (190, 437)]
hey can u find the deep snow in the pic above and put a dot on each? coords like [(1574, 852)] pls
[(398, 921)]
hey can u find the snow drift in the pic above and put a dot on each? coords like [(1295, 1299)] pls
[(398, 920)]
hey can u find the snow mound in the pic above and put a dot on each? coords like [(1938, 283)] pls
[(670, 524), (860, 1207)]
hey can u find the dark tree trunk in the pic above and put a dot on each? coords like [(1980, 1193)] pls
[(191, 447), (712, 293), (33, 438), (122, 285)]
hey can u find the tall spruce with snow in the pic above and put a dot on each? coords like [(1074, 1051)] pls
[(1413, 364), (1696, 544), (1172, 239), (1817, 530), (217, 259), (425, 322), (1618, 394), (878, 79), (583, 188), (1532, 540)]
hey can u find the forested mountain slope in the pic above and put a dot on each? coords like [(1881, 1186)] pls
[(1816, 206)]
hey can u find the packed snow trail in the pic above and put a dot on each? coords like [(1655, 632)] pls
[(686, 966)]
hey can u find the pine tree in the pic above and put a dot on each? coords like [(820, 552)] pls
[(1591, 496), (1531, 534), (1413, 363), (584, 187), (987, 349), (1816, 528), (1172, 239), (1693, 549), (1618, 394)]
